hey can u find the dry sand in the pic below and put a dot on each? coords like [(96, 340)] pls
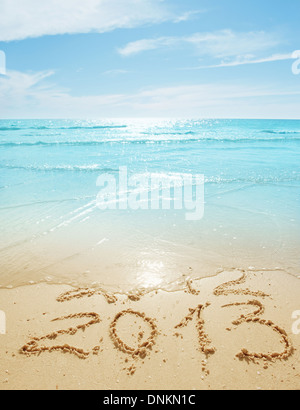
[(231, 331)]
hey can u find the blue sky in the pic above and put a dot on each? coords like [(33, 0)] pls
[(150, 58)]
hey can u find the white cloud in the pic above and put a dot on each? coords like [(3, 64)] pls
[(20, 19), (17, 89), (115, 72), (219, 44), (140, 46), (226, 43), (188, 15), (32, 96), (248, 60)]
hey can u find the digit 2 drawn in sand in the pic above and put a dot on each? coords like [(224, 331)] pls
[(226, 288), (34, 347)]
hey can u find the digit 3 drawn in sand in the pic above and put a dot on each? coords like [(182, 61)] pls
[(255, 319), (258, 312), (143, 348), (224, 290), (34, 348)]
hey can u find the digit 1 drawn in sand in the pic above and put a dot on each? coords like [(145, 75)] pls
[(33, 349), (224, 289), (254, 318), (203, 338), (204, 341), (86, 292), (143, 348)]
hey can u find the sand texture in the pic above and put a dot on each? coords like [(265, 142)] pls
[(230, 331)]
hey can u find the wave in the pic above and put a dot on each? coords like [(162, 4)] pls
[(277, 132), (61, 168), (104, 127), (96, 127), (215, 180), (170, 133), (11, 129), (147, 141)]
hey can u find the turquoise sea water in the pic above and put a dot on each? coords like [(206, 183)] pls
[(52, 230)]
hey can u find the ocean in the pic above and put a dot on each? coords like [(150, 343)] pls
[(53, 231)]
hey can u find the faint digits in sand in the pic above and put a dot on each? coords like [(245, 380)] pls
[(229, 288)]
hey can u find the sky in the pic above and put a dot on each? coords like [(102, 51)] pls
[(150, 58)]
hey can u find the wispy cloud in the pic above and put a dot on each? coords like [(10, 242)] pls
[(16, 87), (247, 60), (33, 96), (218, 44), (117, 71), (35, 18), (189, 15), (139, 46), (227, 43)]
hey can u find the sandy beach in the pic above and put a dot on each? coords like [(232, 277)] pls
[(230, 331), (149, 197)]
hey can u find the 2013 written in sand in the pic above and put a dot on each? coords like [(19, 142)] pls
[(35, 346)]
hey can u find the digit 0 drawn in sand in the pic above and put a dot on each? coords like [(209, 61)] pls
[(224, 289), (143, 348), (86, 292), (33, 347), (254, 318)]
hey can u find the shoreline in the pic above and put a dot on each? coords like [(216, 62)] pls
[(58, 338)]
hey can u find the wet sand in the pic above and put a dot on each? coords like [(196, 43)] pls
[(230, 331)]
